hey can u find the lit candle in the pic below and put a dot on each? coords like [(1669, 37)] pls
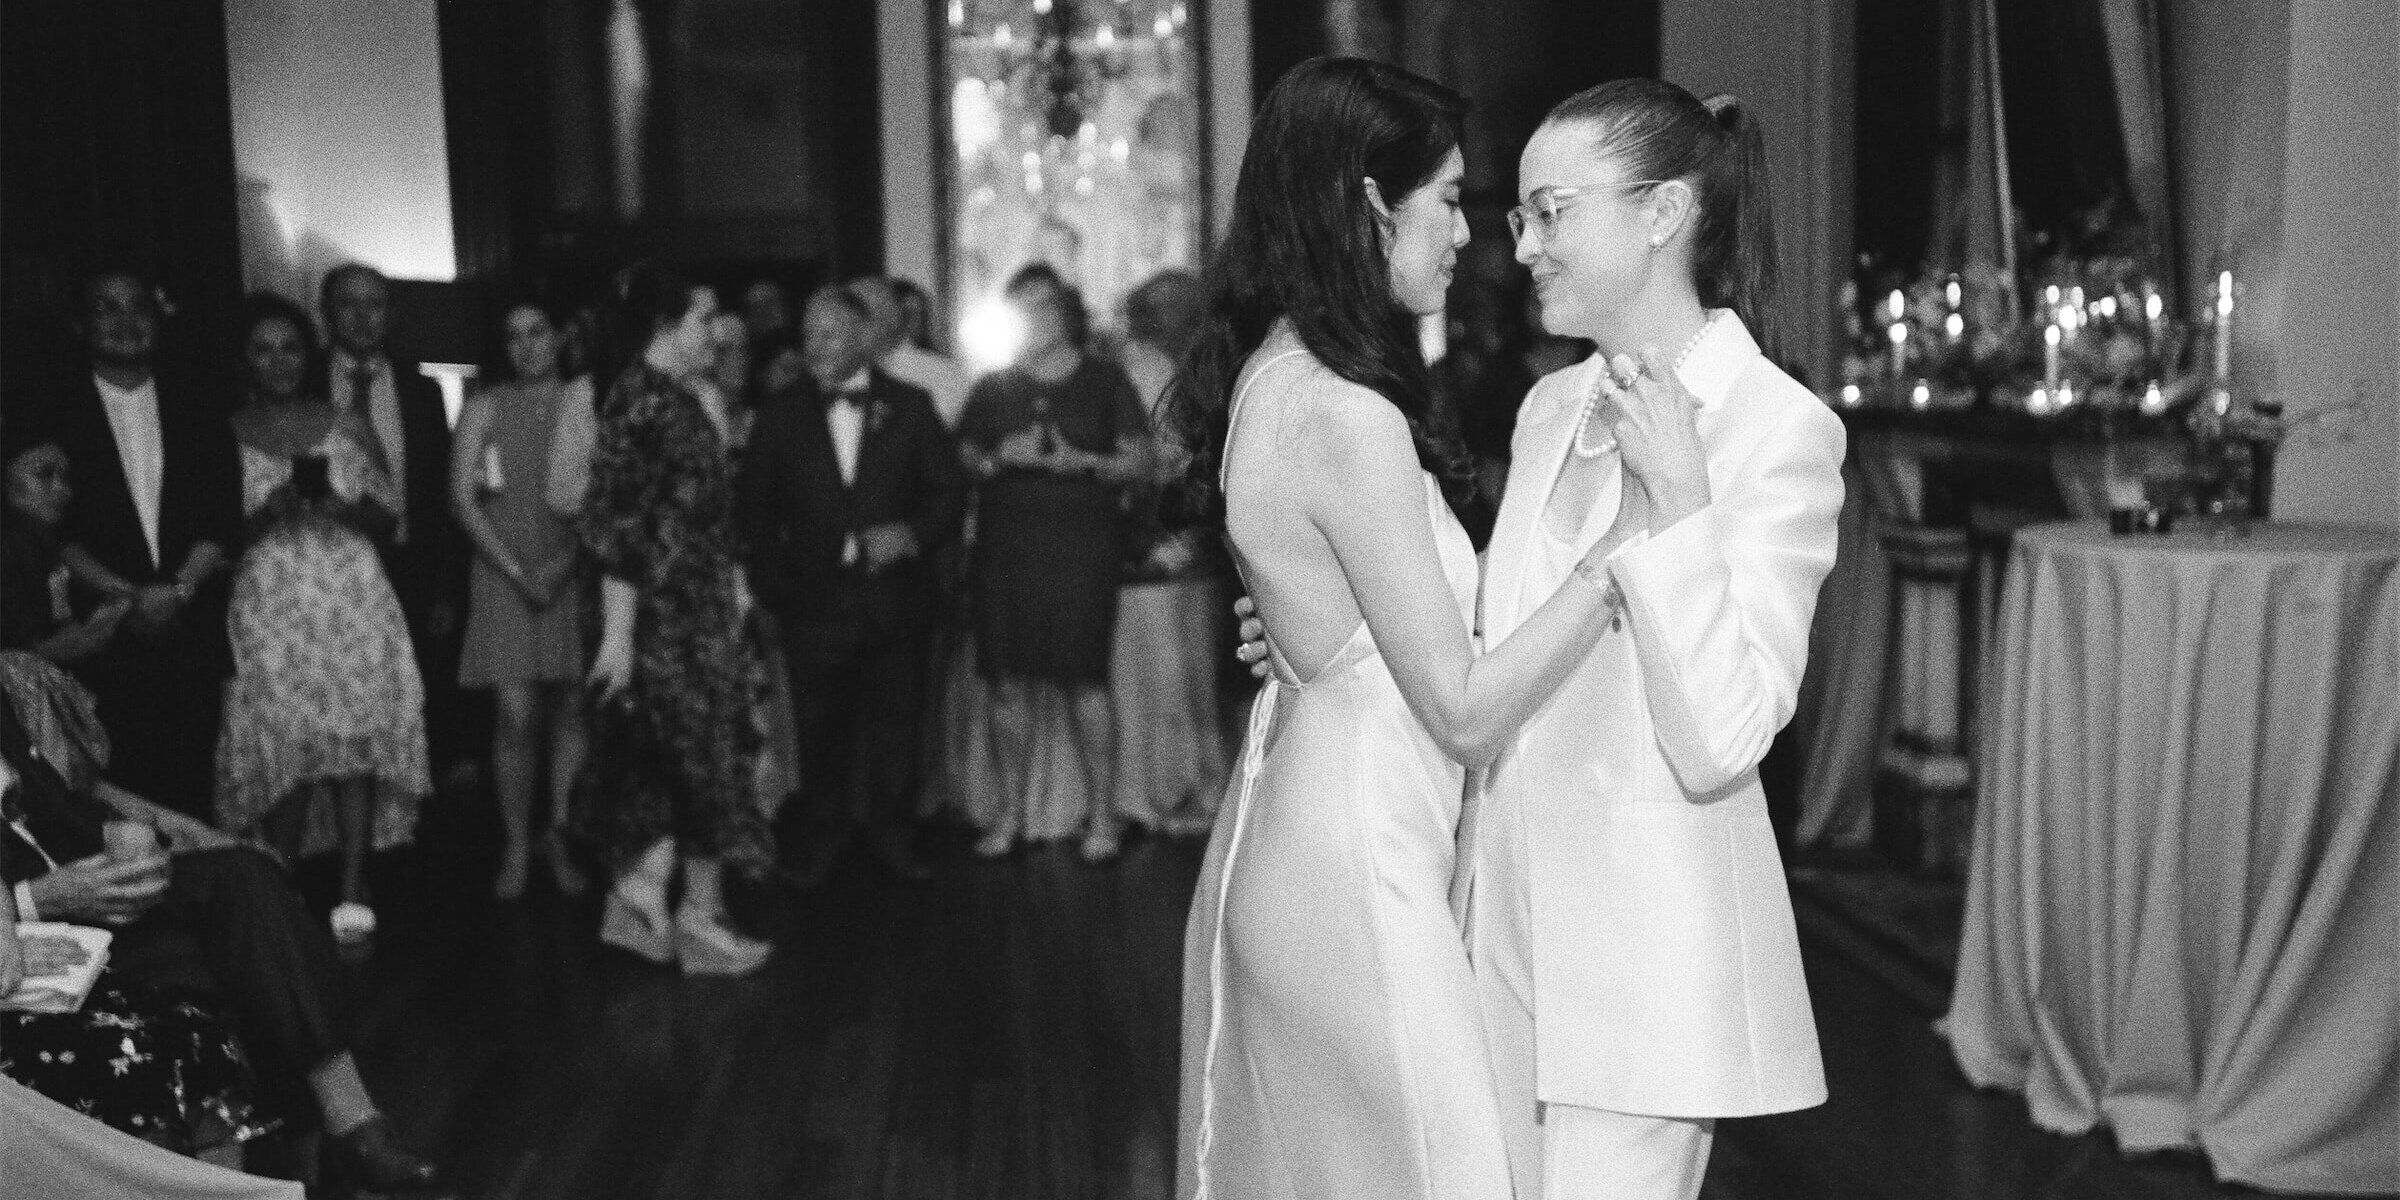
[(2107, 307), (2050, 337), (1921, 397), (1899, 335), (1953, 293), (2154, 401), (1897, 304), (2065, 397), (2224, 326), (1954, 325), (1851, 395), (2153, 307), (2039, 402)]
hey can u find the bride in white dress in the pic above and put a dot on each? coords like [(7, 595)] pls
[(1332, 1042)]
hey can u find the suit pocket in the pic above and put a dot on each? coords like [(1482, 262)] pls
[(1677, 968)]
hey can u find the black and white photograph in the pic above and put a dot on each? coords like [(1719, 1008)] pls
[(1199, 599)]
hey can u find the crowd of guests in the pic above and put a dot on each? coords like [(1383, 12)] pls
[(744, 584)]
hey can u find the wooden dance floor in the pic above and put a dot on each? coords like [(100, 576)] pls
[(1008, 1031)]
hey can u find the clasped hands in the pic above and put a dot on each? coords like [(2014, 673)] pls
[(1655, 421), (1024, 450)]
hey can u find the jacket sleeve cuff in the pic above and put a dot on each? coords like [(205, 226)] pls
[(26, 909), (1687, 558)]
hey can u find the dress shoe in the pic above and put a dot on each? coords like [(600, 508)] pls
[(370, 1159), (707, 946)]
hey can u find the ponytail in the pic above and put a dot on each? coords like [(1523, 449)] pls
[(1742, 274), (1660, 131)]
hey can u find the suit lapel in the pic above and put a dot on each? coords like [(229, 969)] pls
[(1531, 477), (101, 492)]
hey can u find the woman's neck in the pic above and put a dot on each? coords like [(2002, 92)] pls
[(1668, 323)]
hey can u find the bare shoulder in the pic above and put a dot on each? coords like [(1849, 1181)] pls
[(1333, 422)]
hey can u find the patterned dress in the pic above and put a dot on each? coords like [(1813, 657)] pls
[(153, 1064), (674, 754), (325, 684)]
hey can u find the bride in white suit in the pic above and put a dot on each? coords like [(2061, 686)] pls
[(1333, 1041), (1619, 887)]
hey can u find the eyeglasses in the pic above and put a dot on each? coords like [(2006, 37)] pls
[(1540, 210)]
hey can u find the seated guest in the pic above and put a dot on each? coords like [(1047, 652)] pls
[(157, 510), (35, 582), (324, 741), (158, 1066), (203, 914)]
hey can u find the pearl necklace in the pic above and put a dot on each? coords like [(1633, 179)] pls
[(1606, 384)]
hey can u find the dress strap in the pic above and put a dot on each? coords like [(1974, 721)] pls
[(1233, 412)]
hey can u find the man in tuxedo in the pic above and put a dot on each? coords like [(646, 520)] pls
[(196, 912), (157, 515), (850, 486), (426, 558)]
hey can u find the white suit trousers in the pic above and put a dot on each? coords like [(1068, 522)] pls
[(1555, 1151)]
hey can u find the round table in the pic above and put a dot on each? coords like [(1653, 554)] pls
[(2185, 881)]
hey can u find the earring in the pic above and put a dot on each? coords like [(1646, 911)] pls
[(1657, 240)]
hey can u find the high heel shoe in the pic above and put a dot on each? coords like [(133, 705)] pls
[(707, 946), (635, 916), (638, 927)]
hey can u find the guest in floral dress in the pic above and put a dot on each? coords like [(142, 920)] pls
[(679, 678), (525, 605), (323, 745)]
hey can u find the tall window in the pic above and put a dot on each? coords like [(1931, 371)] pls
[(1075, 131)]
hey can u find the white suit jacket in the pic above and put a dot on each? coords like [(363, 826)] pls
[(1666, 970)]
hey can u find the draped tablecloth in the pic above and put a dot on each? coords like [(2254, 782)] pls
[(2183, 907)]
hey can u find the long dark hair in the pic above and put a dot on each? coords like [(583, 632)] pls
[(1305, 244), (1660, 131), (641, 298)]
